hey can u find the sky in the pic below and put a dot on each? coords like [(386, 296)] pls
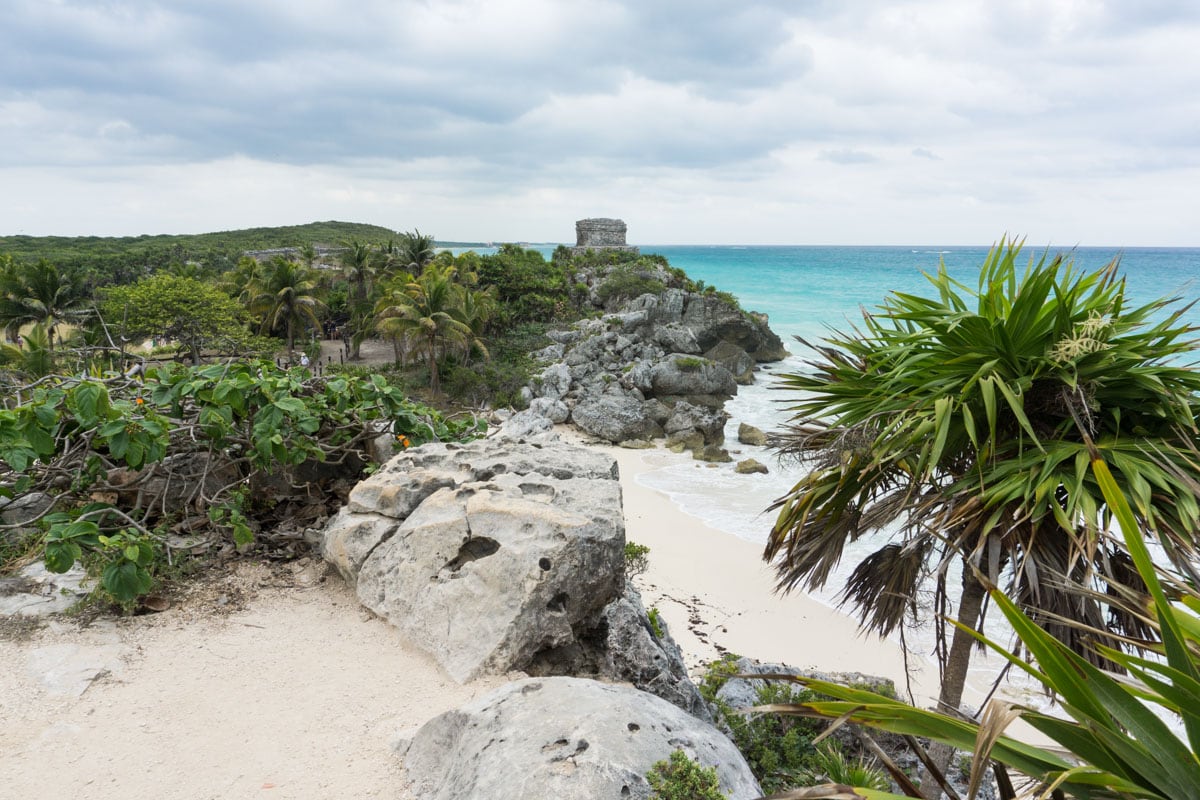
[(1069, 122)]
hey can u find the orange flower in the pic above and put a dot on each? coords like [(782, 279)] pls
[(403, 440), (139, 401)]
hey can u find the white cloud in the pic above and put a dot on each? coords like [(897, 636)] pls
[(917, 121)]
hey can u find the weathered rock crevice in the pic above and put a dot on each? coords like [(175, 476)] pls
[(503, 555)]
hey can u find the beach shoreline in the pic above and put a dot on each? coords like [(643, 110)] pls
[(717, 596), (300, 674)]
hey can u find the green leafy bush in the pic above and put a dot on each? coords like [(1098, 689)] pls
[(655, 622), (637, 559), (124, 444), (627, 282), (680, 778)]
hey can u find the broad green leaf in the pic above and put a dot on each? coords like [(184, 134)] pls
[(125, 580)]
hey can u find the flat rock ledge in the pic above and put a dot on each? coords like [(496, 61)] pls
[(566, 738), (502, 555)]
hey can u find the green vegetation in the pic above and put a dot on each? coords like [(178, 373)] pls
[(680, 778), (781, 750), (199, 316), (655, 622), (106, 260), (39, 293), (627, 282), (966, 418), (637, 559), (123, 462), (690, 363), (1113, 738)]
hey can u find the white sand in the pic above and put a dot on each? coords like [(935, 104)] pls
[(717, 596), (301, 693)]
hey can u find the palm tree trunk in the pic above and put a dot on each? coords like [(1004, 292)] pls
[(954, 676), (435, 384)]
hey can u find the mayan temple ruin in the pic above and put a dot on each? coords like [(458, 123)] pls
[(601, 234)]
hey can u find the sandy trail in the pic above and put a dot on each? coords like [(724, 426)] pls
[(273, 682)]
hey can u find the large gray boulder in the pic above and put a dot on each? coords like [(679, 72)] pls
[(649, 659), (682, 375), (614, 418), (709, 422), (565, 738), (503, 554), (499, 575), (712, 320), (735, 359)]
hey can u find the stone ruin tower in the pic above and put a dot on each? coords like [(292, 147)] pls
[(600, 233)]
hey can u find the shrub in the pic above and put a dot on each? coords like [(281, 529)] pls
[(637, 559), (626, 283), (680, 778), (690, 363), (828, 764), (655, 622)]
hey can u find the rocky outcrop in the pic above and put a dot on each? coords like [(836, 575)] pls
[(621, 376), (504, 555), (565, 738), (748, 434), (750, 466)]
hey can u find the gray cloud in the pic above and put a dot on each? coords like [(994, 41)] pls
[(508, 97)]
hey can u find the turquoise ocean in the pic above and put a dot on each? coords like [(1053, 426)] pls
[(805, 291)]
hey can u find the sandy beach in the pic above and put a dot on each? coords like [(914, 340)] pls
[(292, 690)]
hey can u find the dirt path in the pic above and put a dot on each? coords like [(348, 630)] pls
[(267, 683)]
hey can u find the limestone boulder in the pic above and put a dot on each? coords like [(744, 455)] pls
[(735, 359), (504, 554), (614, 418), (555, 381), (688, 375), (748, 434), (490, 579), (651, 660), (566, 738), (708, 422), (750, 466), (713, 320)]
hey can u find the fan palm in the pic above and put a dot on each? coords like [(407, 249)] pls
[(962, 418), (39, 293), (283, 293), (426, 309)]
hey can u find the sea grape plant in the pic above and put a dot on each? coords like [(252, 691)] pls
[(119, 458)]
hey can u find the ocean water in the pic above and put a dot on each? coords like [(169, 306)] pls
[(805, 291)]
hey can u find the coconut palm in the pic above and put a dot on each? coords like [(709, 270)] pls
[(40, 293), (962, 419), (359, 266), (425, 310), (283, 293), (414, 251)]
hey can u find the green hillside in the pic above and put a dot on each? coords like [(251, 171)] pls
[(118, 259)]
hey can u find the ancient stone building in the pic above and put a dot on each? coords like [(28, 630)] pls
[(601, 234)]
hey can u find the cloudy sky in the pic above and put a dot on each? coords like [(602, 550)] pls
[(696, 121)]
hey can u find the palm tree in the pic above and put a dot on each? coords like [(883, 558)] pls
[(358, 264), (35, 359), (964, 419), (39, 293), (284, 293), (426, 309), (239, 281), (414, 251)]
